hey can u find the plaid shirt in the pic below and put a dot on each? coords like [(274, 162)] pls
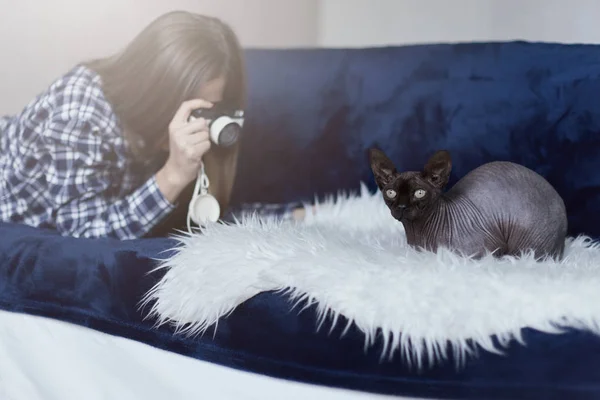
[(65, 165)]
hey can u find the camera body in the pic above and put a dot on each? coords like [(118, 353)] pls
[(224, 127), (224, 124)]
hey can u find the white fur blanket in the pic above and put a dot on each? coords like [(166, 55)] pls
[(350, 258)]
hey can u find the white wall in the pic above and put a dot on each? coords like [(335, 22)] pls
[(359, 23), (40, 39)]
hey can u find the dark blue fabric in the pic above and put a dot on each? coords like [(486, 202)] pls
[(98, 284), (312, 115)]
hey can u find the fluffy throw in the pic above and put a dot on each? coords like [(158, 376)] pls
[(349, 256)]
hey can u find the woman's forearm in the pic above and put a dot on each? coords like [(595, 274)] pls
[(169, 184)]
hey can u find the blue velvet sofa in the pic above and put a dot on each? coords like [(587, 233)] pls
[(312, 115)]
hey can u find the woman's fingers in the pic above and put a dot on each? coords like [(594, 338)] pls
[(183, 113), (188, 141), (197, 150), (299, 213), (192, 140), (192, 127)]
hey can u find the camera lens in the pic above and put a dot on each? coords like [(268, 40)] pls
[(229, 134), (225, 131)]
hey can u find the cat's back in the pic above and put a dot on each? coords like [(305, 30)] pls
[(503, 188), (504, 178)]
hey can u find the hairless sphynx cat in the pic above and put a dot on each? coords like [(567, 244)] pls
[(500, 207)]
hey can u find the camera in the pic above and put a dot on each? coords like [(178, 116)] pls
[(224, 124)]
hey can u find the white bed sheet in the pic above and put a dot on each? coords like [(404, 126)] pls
[(46, 359)]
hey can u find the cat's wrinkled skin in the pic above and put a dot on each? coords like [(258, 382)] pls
[(499, 207)]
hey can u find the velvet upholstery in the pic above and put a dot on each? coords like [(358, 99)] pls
[(312, 115)]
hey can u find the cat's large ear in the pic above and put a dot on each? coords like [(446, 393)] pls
[(438, 168), (383, 168)]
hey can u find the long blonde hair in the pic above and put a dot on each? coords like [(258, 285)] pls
[(165, 65)]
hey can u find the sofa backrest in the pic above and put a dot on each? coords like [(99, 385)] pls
[(313, 113)]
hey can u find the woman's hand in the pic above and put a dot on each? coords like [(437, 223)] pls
[(188, 142), (299, 214)]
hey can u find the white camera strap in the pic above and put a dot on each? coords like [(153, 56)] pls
[(203, 207)]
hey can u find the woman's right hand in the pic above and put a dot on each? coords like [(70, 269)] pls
[(188, 142)]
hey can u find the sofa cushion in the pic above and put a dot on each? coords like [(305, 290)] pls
[(314, 113)]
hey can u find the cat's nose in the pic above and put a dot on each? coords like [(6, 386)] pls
[(401, 206)]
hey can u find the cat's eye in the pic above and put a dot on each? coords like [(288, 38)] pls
[(391, 193), (419, 194)]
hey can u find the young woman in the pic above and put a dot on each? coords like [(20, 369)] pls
[(107, 149)]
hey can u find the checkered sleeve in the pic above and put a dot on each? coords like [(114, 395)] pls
[(81, 174)]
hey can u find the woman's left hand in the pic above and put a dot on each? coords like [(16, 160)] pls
[(300, 213)]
